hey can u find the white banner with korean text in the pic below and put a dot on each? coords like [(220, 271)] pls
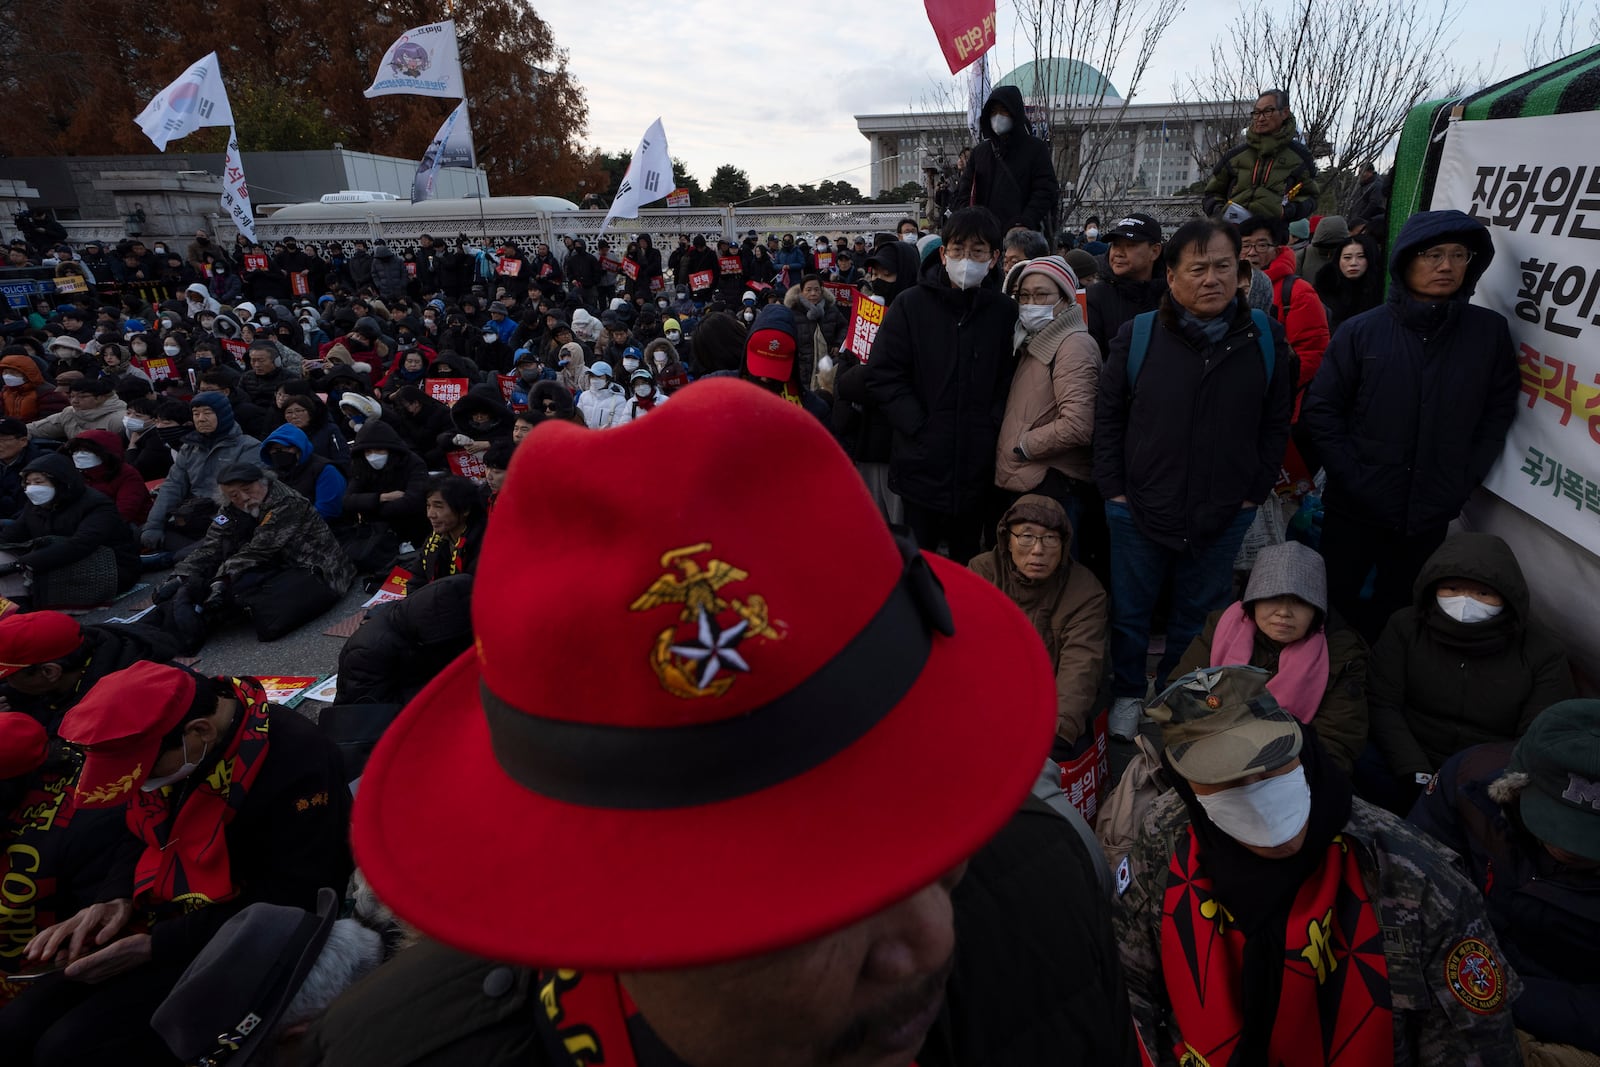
[(235, 193), (1535, 182)]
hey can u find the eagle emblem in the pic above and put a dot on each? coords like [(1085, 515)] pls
[(701, 654)]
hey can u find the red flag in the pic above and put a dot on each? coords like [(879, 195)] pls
[(965, 29)]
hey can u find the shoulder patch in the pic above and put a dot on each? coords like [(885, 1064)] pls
[(1124, 876), (221, 519), (1475, 977)]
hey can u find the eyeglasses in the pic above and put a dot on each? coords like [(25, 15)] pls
[(1258, 246), (1456, 257), (1049, 540), (1047, 299), (1265, 111)]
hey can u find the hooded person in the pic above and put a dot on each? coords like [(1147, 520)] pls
[(1010, 171), (287, 452), (1031, 563), (64, 523), (1045, 435), (1259, 877), (602, 400), (267, 553), (22, 383), (387, 480), (198, 298), (665, 363), (94, 406), (227, 800), (819, 330), (388, 271), (801, 829), (421, 421), (1323, 248), (306, 412), (719, 345), (479, 417), (550, 400), (191, 495), (771, 360), (1318, 665), (1523, 821), (1465, 664), (1408, 412), (100, 458)]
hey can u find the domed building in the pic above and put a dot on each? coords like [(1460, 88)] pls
[(1112, 153)]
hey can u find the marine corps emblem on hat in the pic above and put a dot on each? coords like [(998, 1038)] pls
[(701, 654)]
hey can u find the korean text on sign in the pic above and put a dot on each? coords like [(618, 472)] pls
[(866, 316), (1565, 198), (467, 465), (447, 390), (1545, 472), (1556, 381)]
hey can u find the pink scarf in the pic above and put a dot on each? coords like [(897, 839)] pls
[(1302, 675)]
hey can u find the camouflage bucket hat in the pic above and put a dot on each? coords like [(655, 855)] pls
[(1220, 723)]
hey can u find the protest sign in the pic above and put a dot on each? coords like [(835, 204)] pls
[(255, 261), (447, 390), (700, 279), (866, 316), (631, 269), (1535, 183), (467, 465), (729, 265)]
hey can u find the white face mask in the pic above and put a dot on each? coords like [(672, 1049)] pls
[(140, 348), (133, 425), (13, 380), (85, 461), (966, 273), (597, 385), (630, 364), (1035, 317), (377, 460), (643, 389), (171, 350), (181, 773), (490, 337), (672, 335), (749, 316), (1000, 124), (1466, 609), (40, 494), (909, 238), (1092, 233), (1265, 814)]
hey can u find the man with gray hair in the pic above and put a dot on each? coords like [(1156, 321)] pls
[(1271, 174), (1020, 245)]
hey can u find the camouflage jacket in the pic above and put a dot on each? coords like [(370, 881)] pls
[(289, 533), (1425, 908)]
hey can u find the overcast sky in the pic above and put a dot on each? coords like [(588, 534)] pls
[(774, 89)]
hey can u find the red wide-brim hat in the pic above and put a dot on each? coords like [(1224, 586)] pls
[(706, 717)]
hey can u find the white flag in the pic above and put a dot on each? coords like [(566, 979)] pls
[(196, 99), (451, 147), (235, 193), (649, 176), (423, 62), (977, 96)]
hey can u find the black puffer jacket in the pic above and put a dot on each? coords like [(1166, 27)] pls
[(1114, 302), (400, 648), (1202, 432), (1011, 175), (403, 473), (1413, 400), (484, 399), (940, 372), (1546, 917), (83, 520), (857, 423), (1437, 686)]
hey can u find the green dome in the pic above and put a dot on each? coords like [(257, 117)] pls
[(1059, 77)]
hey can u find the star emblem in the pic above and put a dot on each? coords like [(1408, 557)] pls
[(715, 649)]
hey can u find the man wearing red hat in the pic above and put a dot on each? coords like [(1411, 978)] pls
[(770, 351), (703, 848), (49, 661), (227, 801)]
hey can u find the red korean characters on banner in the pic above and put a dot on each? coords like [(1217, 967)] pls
[(300, 283), (844, 295), (158, 369), (508, 390), (729, 265), (866, 316), (700, 279), (509, 268), (447, 390), (965, 29), (467, 465), (1086, 780), (631, 269), (255, 261), (234, 347)]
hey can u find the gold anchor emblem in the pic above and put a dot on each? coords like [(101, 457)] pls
[(703, 661)]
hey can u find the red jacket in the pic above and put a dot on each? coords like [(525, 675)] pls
[(1306, 324), (114, 477)]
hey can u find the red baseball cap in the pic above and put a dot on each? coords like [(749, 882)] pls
[(730, 775), (23, 744), (120, 723), (36, 637)]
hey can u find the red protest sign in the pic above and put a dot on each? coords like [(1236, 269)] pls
[(866, 315), (965, 29), (700, 279), (508, 387), (610, 262), (510, 268), (300, 282), (843, 294), (234, 347), (447, 390), (411, 269), (631, 269), (657, 284), (729, 265), (159, 369), (1087, 780), (467, 465), (824, 261), (255, 261)]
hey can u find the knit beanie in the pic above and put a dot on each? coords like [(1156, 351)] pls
[(1056, 269)]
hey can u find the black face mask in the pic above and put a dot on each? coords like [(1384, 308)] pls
[(172, 436), (284, 462)]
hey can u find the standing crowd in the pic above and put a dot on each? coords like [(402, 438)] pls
[(1356, 815)]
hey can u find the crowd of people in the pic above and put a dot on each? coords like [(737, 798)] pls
[(1362, 818)]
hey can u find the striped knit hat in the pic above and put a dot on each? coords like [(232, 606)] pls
[(1056, 268)]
